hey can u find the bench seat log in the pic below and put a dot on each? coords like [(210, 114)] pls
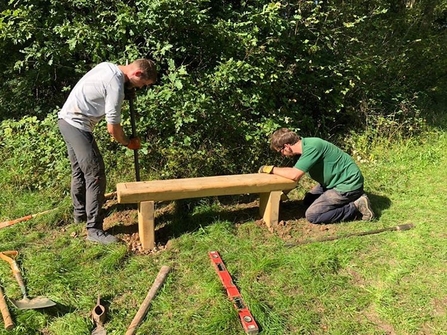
[(145, 193)]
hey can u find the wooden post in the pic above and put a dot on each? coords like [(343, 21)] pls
[(146, 226), (269, 207)]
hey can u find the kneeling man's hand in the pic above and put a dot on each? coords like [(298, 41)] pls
[(266, 169)]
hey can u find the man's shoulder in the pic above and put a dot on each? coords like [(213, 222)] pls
[(313, 141), (107, 66), (106, 72)]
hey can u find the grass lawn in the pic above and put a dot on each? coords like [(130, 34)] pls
[(386, 283)]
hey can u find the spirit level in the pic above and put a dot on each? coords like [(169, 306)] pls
[(247, 319)]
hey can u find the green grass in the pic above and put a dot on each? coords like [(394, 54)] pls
[(387, 283)]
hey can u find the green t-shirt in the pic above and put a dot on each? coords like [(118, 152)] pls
[(329, 165)]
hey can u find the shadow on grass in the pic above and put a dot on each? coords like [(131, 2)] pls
[(379, 203), (57, 310), (183, 217)]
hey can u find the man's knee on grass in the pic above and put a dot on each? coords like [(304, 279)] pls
[(312, 215)]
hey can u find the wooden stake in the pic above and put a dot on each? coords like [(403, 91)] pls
[(142, 311)]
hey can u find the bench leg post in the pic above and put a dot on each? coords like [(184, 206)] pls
[(269, 208), (146, 227)]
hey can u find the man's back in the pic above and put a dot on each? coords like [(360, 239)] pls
[(99, 92), (329, 165)]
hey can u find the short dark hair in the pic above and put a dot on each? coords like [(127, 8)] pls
[(282, 137), (147, 68)]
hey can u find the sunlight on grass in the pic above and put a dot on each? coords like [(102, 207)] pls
[(392, 282)]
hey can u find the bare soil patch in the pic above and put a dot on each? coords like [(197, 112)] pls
[(292, 227)]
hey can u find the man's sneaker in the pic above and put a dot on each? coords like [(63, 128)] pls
[(363, 205), (100, 236)]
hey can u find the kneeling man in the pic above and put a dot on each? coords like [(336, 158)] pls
[(338, 196)]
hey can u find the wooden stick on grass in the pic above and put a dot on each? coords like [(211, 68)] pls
[(31, 216), (407, 226), (159, 280)]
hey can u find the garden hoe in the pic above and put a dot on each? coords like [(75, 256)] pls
[(25, 302)]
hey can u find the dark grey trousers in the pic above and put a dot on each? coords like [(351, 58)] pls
[(331, 206), (88, 177)]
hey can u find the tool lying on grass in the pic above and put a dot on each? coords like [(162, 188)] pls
[(24, 218), (247, 319), (402, 227), (8, 223), (25, 302), (138, 318), (99, 318), (5, 311)]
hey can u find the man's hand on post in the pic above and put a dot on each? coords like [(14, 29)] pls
[(266, 169), (134, 143)]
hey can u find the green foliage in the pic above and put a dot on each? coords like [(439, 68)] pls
[(383, 130), (39, 158), (230, 71)]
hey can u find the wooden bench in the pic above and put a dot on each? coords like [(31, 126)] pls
[(145, 193)]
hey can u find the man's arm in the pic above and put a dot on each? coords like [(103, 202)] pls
[(288, 172), (117, 132)]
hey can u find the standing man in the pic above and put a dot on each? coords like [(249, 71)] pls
[(339, 196), (98, 94)]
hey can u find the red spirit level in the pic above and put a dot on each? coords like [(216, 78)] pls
[(247, 319)]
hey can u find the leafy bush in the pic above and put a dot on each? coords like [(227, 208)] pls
[(35, 153), (231, 72)]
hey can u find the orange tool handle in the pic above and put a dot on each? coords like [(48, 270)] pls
[(5, 311), (24, 218), (10, 256)]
